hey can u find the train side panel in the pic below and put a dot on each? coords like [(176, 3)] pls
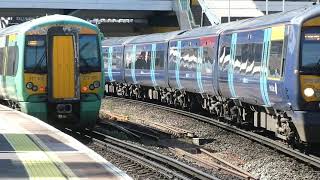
[(251, 66), (113, 63), (145, 64), (224, 59), (11, 57), (183, 65), (207, 66), (246, 69)]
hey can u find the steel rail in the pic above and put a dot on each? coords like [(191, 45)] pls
[(153, 156), (309, 159)]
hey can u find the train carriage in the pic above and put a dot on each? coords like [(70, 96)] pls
[(51, 68), (192, 58), (146, 59), (274, 78), (261, 72)]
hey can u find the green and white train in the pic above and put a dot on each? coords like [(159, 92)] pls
[(51, 68)]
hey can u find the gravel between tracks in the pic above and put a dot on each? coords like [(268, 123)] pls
[(253, 157)]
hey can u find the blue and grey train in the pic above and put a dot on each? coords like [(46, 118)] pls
[(263, 72)]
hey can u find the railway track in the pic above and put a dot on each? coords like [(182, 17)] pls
[(148, 164), (309, 159)]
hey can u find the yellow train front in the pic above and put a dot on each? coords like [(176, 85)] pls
[(51, 68)]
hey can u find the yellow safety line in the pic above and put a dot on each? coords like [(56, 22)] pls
[(37, 163), (61, 165)]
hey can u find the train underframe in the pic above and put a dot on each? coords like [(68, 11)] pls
[(76, 115), (260, 119)]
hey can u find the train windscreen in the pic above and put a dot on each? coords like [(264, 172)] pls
[(310, 54), (89, 54), (35, 54)]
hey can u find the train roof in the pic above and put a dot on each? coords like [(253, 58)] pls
[(203, 31), (296, 17), (26, 26), (157, 37), (117, 41)]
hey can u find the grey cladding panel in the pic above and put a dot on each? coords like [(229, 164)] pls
[(150, 5)]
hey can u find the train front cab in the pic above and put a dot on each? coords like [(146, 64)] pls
[(57, 90), (306, 92)]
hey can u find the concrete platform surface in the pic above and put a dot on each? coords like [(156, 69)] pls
[(32, 149)]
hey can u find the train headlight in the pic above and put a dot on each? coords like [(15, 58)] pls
[(29, 85), (96, 84), (84, 89), (309, 92)]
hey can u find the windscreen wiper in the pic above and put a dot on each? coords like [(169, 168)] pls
[(39, 63)]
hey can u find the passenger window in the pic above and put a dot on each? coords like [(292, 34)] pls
[(189, 58), (174, 54), (257, 50), (1, 60), (160, 56), (105, 56), (12, 60), (117, 58), (142, 59), (208, 53), (130, 56), (224, 52), (275, 59)]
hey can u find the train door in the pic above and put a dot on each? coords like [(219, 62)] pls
[(272, 64), (63, 72)]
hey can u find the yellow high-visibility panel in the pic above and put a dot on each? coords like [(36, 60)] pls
[(277, 33), (63, 67)]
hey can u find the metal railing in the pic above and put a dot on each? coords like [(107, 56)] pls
[(184, 14)]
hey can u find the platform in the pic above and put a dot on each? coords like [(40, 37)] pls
[(32, 149)]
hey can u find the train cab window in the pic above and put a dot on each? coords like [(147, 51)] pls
[(35, 54), (310, 45), (275, 59), (89, 54)]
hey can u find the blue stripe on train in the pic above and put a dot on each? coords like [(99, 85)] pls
[(110, 63), (264, 67), (133, 64), (231, 64), (199, 69), (177, 71), (153, 64)]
